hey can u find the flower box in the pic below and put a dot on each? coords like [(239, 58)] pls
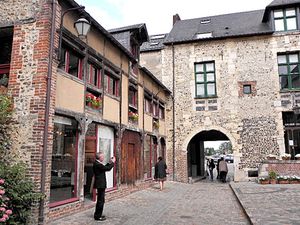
[(283, 182), (264, 181)]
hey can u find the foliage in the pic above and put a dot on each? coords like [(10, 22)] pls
[(272, 175), (6, 110), (133, 116), (156, 124), (210, 151), (226, 147), (95, 101), (19, 195)]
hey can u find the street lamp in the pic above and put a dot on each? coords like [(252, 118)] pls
[(82, 26)]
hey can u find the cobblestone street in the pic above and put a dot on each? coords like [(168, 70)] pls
[(204, 202)]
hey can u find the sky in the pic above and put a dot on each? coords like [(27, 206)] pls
[(158, 14)]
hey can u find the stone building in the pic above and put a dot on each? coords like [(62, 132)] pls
[(234, 77), (75, 96)]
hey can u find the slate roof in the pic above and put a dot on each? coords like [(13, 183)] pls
[(221, 26), (283, 2), (155, 43)]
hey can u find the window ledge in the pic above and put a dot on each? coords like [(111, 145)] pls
[(67, 75), (208, 97)]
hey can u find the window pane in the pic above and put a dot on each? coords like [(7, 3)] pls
[(199, 77), (282, 70), (293, 58), (278, 13), (281, 59), (210, 67), (200, 90), (279, 25), (211, 89), (210, 77), (291, 23), (290, 12), (106, 78), (73, 65), (247, 89), (294, 68), (199, 67), (295, 81), (63, 160), (283, 82)]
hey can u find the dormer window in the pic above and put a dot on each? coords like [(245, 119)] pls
[(285, 19), (203, 35), (205, 21)]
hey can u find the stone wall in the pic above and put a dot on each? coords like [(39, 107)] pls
[(253, 123), (29, 67)]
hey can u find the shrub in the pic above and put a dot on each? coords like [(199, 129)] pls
[(18, 194), (6, 110), (272, 175)]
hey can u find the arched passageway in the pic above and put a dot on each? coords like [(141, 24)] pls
[(196, 153)]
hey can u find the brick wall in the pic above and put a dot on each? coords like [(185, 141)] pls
[(281, 167)]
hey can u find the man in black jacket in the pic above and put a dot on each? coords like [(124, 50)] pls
[(100, 183)]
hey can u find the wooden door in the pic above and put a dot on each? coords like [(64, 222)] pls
[(131, 169)]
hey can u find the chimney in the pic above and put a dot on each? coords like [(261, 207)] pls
[(176, 18)]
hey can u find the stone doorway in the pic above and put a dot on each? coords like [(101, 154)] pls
[(197, 155)]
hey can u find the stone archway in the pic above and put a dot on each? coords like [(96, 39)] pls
[(196, 154)]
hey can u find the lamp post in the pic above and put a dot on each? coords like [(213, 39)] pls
[(82, 26)]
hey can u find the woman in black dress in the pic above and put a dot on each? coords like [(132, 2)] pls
[(160, 172)]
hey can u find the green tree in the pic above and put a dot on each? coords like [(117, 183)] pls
[(209, 151), (226, 147)]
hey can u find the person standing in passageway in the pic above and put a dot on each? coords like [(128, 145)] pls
[(160, 172), (211, 167), (223, 170), (100, 183)]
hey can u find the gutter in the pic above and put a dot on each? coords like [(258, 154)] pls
[(46, 115), (173, 105)]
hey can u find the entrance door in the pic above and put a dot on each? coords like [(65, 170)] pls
[(105, 144), (131, 171)]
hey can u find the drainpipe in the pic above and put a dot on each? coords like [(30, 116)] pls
[(173, 103), (46, 115)]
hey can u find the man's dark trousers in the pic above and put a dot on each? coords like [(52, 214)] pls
[(100, 203)]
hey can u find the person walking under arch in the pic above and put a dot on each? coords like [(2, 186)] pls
[(160, 172), (223, 170), (211, 167)]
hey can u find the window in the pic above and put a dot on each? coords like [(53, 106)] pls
[(132, 97), (111, 84), (155, 109), (205, 79), (94, 75), (148, 107), (285, 19), (63, 171), (247, 89), (288, 69), (71, 62), (161, 111)]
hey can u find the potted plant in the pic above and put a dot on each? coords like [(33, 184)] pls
[(263, 180), (294, 180), (96, 102), (133, 116), (88, 99), (297, 156), (273, 177), (283, 180), (156, 124), (286, 156), (271, 157)]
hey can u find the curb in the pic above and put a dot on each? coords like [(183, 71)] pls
[(240, 203)]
